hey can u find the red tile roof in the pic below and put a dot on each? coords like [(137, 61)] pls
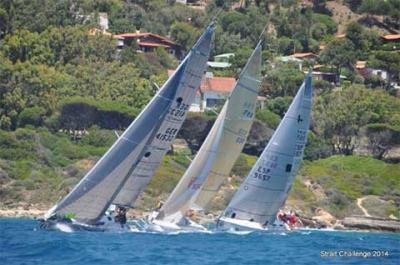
[(145, 34), (391, 37), (361, 64), (218, 84), (151, 44), (303, 55), (214, 84)]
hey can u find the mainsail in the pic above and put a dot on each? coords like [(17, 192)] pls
[(266, 188), (156, 147), (153, 130), (222, 146)]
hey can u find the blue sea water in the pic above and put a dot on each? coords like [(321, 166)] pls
[(22, 243)]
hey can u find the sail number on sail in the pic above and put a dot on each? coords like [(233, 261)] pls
[(248, 110), (271, 162), (180, 110)]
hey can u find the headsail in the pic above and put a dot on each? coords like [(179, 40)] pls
[(266, 187), (238, 121), (223, 144), (90, 198), (197, 172), (156, 147)]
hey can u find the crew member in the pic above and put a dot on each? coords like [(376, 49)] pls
[(120, 215)]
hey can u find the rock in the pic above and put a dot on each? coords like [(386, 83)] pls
[(179, 144), (71, 170), (371, 223), (324, 218), (338, 225)]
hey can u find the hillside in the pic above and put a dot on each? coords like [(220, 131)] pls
[(68, 81), (338, 184)]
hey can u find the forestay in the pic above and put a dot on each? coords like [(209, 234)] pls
[(222, 146), (156, 147), (237, 124), (266, 188), (90, 198)]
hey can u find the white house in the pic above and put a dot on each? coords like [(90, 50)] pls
[(221, 61), (213, 92)]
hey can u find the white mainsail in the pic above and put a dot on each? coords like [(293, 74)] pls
[(90, 198), (165, 134), (266, 188), (222, 146)]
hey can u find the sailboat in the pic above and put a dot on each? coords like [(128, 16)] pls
[(218, 153), (126, 168), (265, 190)]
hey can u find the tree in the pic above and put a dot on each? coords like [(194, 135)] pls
[(31, 116), (282, 81), (339, 53), (184, 34), (362, 39), (381, 138), (389, 61), (339, 115)]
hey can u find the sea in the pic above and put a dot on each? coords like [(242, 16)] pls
[(22, 242)]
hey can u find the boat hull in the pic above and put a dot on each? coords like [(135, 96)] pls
[(230, 224), (106, 224), (184, 224)]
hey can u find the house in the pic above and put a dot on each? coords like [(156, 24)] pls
[(196, 4), (365, 71), (213, 92), (304, 56), (221, 61), (148, 42), (290, 59), (326, 76), (391, 38)]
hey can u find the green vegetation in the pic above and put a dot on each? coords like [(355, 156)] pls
[(64, 91), (346, 178)]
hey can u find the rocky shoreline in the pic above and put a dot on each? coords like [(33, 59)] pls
[(323, 221)]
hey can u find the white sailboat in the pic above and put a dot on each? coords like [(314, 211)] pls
[(127, 167), (265, 190), (217, 154)]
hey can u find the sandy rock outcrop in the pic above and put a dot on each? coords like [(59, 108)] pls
[(323, 218)]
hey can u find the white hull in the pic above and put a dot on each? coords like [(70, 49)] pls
[(106, 224), (230, 224), (184, 224)]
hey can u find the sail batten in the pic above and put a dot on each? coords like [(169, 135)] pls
[(265, 189), (90, 198)]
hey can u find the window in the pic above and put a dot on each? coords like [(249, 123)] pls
[(288, 167), (214, 102)]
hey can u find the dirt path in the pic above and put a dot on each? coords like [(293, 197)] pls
[(359, 204)]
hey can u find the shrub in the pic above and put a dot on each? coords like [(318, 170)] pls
[(269, 118), (32, 116)]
